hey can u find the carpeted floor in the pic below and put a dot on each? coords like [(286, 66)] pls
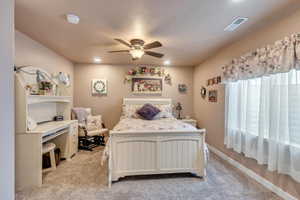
[(84, 179)]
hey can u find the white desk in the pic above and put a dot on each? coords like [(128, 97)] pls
[(29, 149)]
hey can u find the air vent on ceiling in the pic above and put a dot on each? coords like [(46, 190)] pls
[(236, 23)]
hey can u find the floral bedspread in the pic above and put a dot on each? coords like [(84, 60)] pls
[(132, 124)]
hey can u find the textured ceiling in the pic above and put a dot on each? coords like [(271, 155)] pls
[(190, 30)]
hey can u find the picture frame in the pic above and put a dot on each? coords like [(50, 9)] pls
[(213, 96), (145, 85), (99, 87), (214, 80), (219, 79), (208, 82), (182, 88)]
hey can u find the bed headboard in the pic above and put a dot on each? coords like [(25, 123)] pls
[(128, 101)]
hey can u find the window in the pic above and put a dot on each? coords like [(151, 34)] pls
[(263, 120)]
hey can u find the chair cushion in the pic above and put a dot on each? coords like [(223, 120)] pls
[(98, 132), (94, 123), (148, 111), (47, 147)]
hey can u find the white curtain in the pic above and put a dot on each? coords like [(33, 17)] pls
[(263, 120)]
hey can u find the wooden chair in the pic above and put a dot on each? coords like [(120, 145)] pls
[(91, 129)]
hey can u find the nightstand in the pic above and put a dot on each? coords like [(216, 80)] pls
[(192, 122)]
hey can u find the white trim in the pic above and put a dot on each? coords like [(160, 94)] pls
[(277, 190)]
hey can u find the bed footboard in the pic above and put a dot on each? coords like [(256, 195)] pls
[(144, 153)]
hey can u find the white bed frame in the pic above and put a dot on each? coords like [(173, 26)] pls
[(155, 152)]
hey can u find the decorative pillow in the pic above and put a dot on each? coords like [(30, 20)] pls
[(129, 111), (166, 111), (148, 111), (94, 123)]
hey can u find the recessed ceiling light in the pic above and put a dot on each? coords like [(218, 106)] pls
[(72, 19), (97, 60), (236, 1), (167, 62)]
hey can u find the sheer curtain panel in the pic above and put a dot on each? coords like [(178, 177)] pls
[(263, 120)]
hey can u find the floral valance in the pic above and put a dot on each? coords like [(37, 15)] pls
[(281, 57)]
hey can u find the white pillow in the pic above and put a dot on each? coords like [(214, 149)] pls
[(165, 111), (129, 111)]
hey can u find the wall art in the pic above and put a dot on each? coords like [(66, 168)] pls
[(182, 88), (99, 86), (143, 71), (146, 71), (145, 85), (213, 96), (203, 92), (214, 81), (168, 79)]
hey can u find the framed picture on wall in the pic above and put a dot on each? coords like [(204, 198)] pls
[(146, 85), (182, 88), (99, 86), (213, 96)]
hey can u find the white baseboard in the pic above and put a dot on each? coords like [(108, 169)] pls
[(277, 190)]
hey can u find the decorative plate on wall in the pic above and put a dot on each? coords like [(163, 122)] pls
[(99, 86)]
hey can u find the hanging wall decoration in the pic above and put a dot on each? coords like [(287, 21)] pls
[(146, 71), (143, 71), (214, 81), (147, 80), (147, 85), (203, 92), (168, 79), (99, 86), (182, 88), (213, 96)]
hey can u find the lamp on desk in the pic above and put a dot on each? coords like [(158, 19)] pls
[(179, 109)]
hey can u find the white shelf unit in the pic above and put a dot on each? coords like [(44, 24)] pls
[(38, 107), (29, 143)]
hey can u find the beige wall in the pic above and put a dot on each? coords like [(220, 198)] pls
[(110, 106), (30, 52), (7, 147), (211, 115)]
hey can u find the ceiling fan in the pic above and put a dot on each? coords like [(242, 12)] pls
[(138, 48)]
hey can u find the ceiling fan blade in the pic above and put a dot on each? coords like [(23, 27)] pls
[(118, 51), (152, 45), (155, 54), (123, 42)]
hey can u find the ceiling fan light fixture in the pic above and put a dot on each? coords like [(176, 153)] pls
[(136, 53), (167, 62)]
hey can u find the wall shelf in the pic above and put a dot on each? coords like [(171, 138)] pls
[(32, 99)]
